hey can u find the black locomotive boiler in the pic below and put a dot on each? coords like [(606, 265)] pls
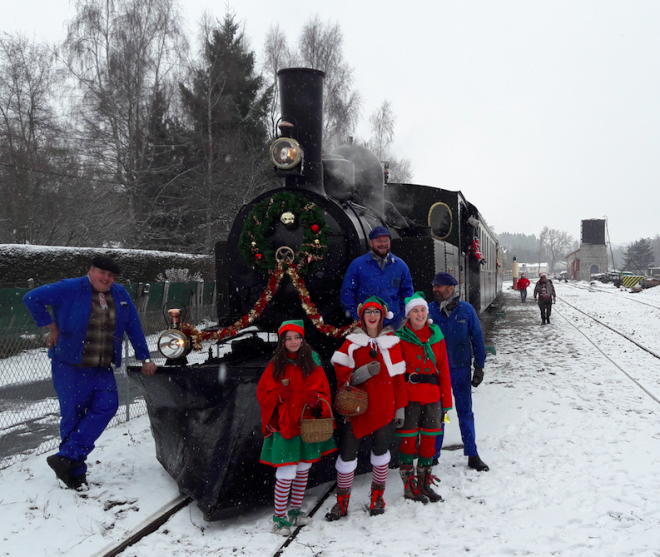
[(285, 258)]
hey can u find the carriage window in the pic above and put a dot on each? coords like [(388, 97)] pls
[(440, 220)]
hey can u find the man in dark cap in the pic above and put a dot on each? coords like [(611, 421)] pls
[(90, 315), (378, 273), (464, 340)]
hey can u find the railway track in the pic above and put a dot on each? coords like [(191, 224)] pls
[(167, 511), (632, 298), (623, 355)]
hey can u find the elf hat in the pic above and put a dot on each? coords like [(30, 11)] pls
[(376, 303), (297, 326), (417, 299)]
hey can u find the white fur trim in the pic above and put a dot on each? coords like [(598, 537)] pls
[(380, 460), (341, 359), (286, 472), (361, 339), (414, 303), (397, 369), (302, 466), (385, 342), (345, 467)]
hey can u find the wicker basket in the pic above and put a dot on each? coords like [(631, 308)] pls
[(316, 430), (351, 401)]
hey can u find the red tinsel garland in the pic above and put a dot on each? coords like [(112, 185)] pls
[(275, 277)]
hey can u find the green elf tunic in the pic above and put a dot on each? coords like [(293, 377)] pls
[(280, 420)]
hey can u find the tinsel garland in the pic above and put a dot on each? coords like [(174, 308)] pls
[(293, 270), (310, 308), (197, 337)]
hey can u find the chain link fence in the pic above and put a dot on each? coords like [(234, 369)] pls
[(29, 409)]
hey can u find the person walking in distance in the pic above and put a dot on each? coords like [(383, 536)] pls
[(544, 292), (464, 340), (523, 283)]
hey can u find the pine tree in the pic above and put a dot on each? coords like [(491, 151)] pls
[(226, 106), (639, 256)]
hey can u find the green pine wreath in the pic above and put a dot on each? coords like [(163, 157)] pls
[(254, 245)]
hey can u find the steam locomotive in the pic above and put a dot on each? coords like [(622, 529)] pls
[(285, 258)]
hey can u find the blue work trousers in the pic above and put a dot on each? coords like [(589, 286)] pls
[(462, 389), (88, 401)]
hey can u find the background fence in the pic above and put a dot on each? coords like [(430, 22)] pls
[(29, 410)]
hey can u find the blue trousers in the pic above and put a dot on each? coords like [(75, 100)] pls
[(460, 385), (88, 401)]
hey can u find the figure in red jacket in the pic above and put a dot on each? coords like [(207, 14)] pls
[(523, 283), (428, 387), (292, 379), (370, 358)]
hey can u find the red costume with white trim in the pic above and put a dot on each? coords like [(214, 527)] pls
[(386, 390)]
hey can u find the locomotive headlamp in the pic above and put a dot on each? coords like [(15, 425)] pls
[(286, 153), (173, 344)]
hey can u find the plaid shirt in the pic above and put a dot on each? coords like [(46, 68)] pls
[(98, 349)]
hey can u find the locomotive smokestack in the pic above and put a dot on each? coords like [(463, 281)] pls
[(301, 104)]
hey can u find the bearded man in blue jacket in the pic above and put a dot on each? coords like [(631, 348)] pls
[(378, 273), (90, 316), (464, 339)]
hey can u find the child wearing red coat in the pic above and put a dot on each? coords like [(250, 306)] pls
[(292, 379), (428, 387), (371, 359)]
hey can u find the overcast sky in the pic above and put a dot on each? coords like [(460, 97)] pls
[(542, 113)]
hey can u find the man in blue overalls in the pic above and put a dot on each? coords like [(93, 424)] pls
[(90, 316), (460, 325)]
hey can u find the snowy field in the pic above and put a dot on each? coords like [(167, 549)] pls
[(573, 444)]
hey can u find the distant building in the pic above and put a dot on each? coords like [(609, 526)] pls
[(532, 269), (591, 258)]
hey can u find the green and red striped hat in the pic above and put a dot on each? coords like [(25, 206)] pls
[(297, 326)]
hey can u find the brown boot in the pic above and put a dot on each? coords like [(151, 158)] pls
[(411, 487), (340, 508), (427, 480), (377, 503)]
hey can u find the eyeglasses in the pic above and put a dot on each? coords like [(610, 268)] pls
[(371, 312)]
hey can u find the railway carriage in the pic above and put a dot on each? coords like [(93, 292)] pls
[(285, 258)]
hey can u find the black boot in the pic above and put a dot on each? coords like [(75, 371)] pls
[(63, 468), (477, 464)]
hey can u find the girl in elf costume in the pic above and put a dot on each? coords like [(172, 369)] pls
[(371, 359), (292, 379), (428, 386), (429, 396)]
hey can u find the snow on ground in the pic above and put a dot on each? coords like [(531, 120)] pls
[(572, 443)]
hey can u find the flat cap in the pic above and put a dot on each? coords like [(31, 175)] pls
[(106, 263), (444, 279), (379, 231)]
